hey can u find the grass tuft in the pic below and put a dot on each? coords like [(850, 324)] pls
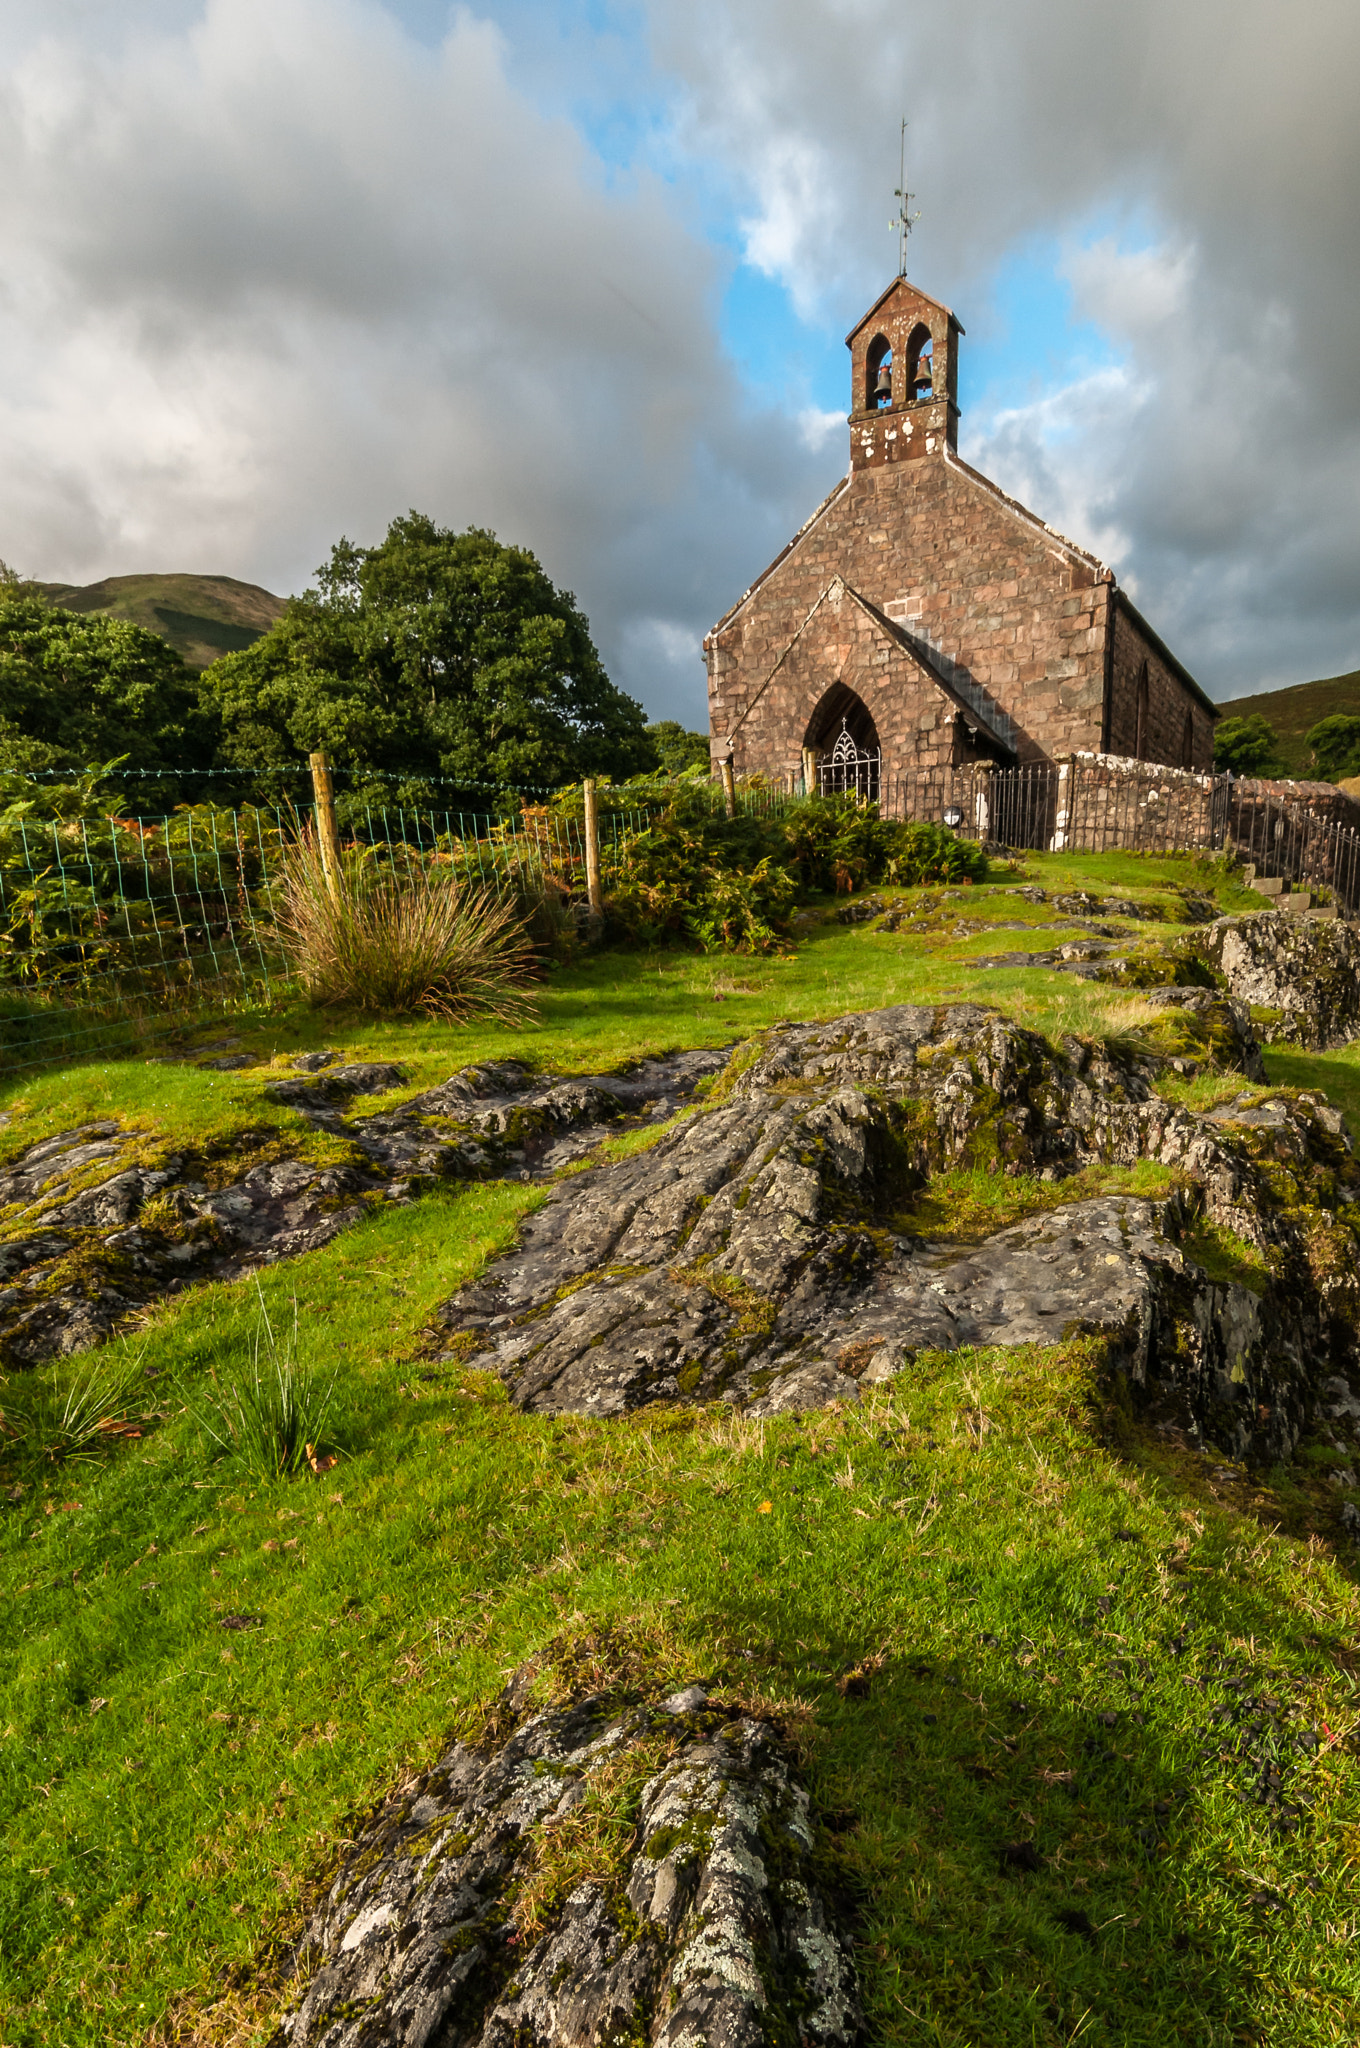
[(371, 939), (272, 1416), (52, 1417)]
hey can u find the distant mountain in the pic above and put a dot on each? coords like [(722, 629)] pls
[(201, 616), (1296, 711)]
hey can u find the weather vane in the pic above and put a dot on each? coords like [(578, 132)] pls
[(904, 220)]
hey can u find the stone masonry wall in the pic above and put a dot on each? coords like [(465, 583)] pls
[(941, 551), (913, 718), (1177, 728)]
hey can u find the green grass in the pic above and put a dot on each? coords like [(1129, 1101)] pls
[(967, 1204), (607, 1009), (1023, 1559), (1333, 1074), (174, 1790)]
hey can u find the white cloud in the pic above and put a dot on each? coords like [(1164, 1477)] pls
[(271, 270), (279, 272), (1225, 471), (820, 430)]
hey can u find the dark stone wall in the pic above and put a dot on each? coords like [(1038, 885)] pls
[(1174, 727)]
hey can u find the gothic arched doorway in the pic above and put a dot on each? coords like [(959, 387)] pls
[(841, 746)]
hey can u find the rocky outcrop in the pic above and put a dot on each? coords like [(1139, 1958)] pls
[(457, 1917), (1305, 968), (762, 1252), (75, 1259)]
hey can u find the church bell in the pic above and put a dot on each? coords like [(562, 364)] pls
[(883, 386)]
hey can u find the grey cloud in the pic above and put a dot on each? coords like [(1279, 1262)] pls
[(1229, 471), (274, 269), (279, 272)]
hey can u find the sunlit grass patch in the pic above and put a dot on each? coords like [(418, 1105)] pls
[(211, 1674), (967, 1204), (990, 1611)]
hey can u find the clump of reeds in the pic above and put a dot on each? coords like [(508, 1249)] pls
[(58, 1414), (374, 936), (270, 1410)]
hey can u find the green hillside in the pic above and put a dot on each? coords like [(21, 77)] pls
[(201, 616), (1296, 711)]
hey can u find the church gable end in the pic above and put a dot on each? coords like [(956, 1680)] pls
[(1001, 637)]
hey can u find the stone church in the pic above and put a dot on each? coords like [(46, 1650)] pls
[(922, 620)]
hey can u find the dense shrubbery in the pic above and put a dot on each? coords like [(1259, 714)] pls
[(433, 658), (1247, 746), (77, 690), (731, 883), (87, 896), (1335, 742)]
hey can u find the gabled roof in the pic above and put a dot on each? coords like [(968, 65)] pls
[(956, 683), (953, 683), (938, 304), (1159, 646), (955, 461), (784, 552)]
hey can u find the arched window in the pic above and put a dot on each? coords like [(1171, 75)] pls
[(878, 375), (843, 739), (920, 364), (1188, 740), (1140, 716)]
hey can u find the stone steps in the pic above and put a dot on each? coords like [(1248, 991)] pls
[(1297, 902)]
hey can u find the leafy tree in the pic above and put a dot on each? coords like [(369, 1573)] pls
[(677, 748), (76, 689), (1246, 746), (1335, 742), (435, 655)]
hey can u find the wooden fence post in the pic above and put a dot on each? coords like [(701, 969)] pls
[(729, 783), (327, 832), (809, 771), (594, 896)]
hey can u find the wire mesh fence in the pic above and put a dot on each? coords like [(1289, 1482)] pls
[(104, 918), (139, 914)]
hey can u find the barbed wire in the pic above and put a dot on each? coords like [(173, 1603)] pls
[(302, 774)]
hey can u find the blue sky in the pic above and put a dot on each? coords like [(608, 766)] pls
[(592, 63)]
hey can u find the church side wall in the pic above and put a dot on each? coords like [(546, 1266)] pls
[(1169, 703), (936, 550)]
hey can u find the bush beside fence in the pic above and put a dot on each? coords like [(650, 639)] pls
[(108, 916), (105, 916)]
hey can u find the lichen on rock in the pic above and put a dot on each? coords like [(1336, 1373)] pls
[(1306, 969), (755, 1254), (75, 1261), (713, 1931)]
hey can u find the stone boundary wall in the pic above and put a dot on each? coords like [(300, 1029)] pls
[(1323, 800), (1109, 800)]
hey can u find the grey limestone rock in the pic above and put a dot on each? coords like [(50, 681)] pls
[(714, 1935), (496, 1118), (1306, 968), (757, 1253), (336, 1084)]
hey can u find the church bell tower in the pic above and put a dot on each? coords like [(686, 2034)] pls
[(903, 379)]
